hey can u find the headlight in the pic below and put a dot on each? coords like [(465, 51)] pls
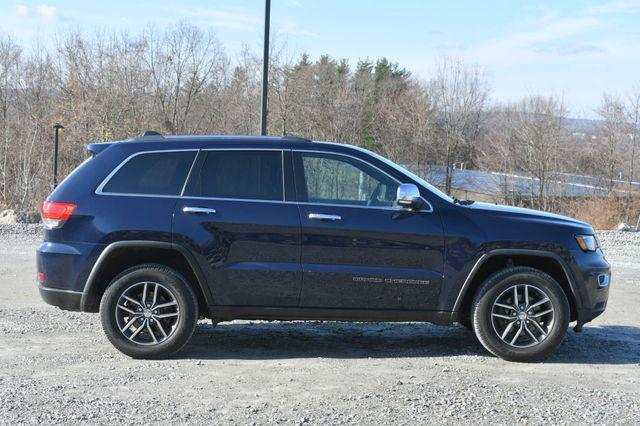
[(587, 242)]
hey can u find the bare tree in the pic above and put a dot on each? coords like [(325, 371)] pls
[(459, 94), (612, 134)]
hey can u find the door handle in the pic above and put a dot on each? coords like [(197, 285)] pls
[(320, 216), (198, 210)]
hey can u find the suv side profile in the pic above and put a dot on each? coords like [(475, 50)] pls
[(157, 232)]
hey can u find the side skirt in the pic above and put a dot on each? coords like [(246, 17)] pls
[(229, 313)]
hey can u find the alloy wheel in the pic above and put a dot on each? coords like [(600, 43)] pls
[(523, 315), (147, 313)]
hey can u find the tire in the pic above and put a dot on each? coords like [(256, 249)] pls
[(162, 331), (491, 321)]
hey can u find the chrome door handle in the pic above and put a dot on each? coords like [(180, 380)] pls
[(320, 216), (198, 210)]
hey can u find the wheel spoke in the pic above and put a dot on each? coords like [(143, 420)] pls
[(541, 302), (169, 315), (544, 333), (165, 305), (164, 333), (502, 305), (138, 330), (517, 334), (124, 296), (539, 314), (155, 295), (144, 295), (507, 330), (515, 295), (526, 295), (124, 308), (526, 328), (153, 336), (129, 324), (506, 317)]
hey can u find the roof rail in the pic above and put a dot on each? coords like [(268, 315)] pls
[(150, 134), (295, 139)]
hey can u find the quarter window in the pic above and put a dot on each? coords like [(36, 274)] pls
[(247, 175), (331, 179), (154, 173)]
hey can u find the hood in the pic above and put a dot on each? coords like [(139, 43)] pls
[(509, 211)]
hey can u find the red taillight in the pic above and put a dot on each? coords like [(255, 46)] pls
[(40, 277), (55, 214)]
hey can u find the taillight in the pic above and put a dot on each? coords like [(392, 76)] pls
[(55, 214)]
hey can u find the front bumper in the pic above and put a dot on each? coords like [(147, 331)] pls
[(592, 273)]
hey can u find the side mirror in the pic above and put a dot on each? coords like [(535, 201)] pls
[(408, 196)]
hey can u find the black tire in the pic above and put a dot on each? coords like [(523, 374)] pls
[(186, 304), (495, 286)]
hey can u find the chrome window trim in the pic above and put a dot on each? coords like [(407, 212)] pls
[(100, 191), (396, 208), (105, 181)]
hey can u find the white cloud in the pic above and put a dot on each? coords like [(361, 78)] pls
[(22, 10), (615, 6), (47, 12)]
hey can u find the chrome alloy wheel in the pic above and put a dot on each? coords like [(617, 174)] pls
[(147, 313), (522, 315)]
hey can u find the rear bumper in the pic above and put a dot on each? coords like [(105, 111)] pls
[(64, 268), (63, 299)]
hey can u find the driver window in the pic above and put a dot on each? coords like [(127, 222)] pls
[(334, 179)]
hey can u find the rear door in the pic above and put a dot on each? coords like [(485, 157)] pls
[(358, 249), (236, 218)]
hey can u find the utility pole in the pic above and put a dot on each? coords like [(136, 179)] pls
[(56, 129), (265, 68)]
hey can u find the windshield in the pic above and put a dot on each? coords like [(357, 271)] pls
[(406, 172)]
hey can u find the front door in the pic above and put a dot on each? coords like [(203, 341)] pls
[(358, 249), (246, 238)]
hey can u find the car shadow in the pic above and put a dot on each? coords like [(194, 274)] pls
[(611, 344)]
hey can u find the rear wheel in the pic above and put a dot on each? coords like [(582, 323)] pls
[(520, 314), (149, 311)]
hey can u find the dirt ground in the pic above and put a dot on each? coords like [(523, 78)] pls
[(57, 367)]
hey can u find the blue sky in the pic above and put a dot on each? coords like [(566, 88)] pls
[(573, 49)]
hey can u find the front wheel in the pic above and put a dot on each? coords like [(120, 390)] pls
[(149, 311), (520, 314)]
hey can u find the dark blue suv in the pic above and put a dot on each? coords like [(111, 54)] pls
[(157, 232)]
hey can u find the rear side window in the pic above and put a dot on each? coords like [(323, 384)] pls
[(156, 173), (246, 175)]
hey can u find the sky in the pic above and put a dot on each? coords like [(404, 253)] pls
[(575, 50)]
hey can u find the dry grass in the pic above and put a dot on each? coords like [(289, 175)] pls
[(605, 213)]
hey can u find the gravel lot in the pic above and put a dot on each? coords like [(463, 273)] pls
[(57, 367)]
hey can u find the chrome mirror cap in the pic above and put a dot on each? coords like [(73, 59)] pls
[(408, 196)]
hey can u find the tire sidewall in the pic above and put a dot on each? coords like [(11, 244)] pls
[(483, 306), (183, 294)]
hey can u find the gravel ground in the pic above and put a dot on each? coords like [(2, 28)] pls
[(57, 367)]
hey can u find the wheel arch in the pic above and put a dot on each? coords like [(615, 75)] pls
[(492, 261), (118, 256)]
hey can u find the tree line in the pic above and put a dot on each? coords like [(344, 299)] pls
[(180, 80)]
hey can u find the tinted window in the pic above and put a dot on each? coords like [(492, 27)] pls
[(252, 175), (334, 179), (161, 173)]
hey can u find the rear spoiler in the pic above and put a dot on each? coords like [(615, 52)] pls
[(97, 148)]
